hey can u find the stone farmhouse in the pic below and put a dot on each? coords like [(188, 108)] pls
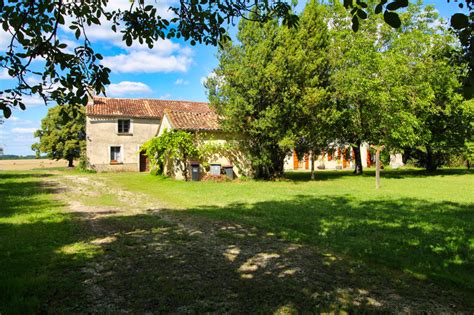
[(117, 127)]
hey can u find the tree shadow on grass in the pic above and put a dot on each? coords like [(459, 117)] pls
[(370, 172), (364, 256), (364, 261), (427, 239), (23, 200)]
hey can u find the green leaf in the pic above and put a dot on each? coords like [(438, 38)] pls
[(128, 40), (7, 112), (378, 8), (392, 19), (459, 21), (397, 4), (355, 23), (362, 14)]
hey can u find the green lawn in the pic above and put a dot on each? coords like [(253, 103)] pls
[(34, 233), (418, 223), (417, 230)]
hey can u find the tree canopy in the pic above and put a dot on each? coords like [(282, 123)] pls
[(62, 133), (269, 83), (321, 84)]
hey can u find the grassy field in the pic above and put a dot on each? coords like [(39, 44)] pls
[(417, 223), (30, 164), (127, 242), (33, 232)]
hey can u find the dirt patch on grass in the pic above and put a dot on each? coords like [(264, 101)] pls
[(154, 260)]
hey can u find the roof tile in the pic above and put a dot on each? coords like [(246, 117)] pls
[(186, 120), (141, 108)]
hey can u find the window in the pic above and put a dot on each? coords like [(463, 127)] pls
[(124, 126), (115, 155)]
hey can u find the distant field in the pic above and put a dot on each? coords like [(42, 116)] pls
[(20, 165)]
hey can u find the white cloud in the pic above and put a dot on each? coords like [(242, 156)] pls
[(24, 130), (4, 74), (139, 61), (19, 121), (32, 100), (5, 39), (165, 56), (211, 75), (127, 87), (181, 82), (166, 96)]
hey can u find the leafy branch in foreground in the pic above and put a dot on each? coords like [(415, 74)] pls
[(65, 75)]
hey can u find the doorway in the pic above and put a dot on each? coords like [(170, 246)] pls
[(144, 162)]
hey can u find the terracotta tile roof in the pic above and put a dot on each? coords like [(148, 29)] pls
[(140, 108), (185, 120)]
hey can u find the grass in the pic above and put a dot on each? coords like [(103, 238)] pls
[(414, 232), (33, 235), (419, 224)]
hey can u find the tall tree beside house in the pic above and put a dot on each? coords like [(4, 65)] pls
[(397, 88), (433, 85), (307, 52), (267, 82), (62, 133), (247, 91), (358, 89)]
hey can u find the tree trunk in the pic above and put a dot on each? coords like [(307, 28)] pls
[(431, 163), (358, 159), (377, 167), (70, 162), (311, 157)]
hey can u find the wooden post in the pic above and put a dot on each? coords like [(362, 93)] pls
[(378, 148), (311, 156)]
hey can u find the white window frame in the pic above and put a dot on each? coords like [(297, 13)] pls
[(130, 130), (121, 153)]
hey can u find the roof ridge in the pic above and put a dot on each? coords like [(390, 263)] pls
[(146, 99)]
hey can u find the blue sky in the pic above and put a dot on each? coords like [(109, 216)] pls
[(173, 69)]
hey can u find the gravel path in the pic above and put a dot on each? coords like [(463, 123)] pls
[(156, 261)]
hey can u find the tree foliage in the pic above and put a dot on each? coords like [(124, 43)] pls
[(172, 148), (62, 133), (305, 88), (398, 88), (269, 80)]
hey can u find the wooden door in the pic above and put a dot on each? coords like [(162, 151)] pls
[(144, 163)]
